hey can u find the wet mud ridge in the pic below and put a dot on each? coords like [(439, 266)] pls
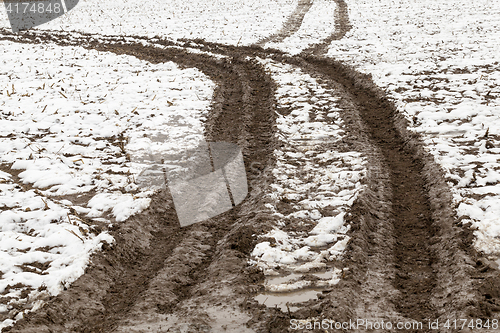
[(411, 259), (408, 259)]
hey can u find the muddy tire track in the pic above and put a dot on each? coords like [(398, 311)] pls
[(342, 26), (292, 24), (212, 300), (405, 221), (409, 259)]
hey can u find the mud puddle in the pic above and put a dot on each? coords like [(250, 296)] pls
[(291, 294)]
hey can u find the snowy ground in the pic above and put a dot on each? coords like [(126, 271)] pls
[(316, 183), (224, 21), (439, 61), (75, 124)]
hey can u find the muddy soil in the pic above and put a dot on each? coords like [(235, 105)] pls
[(408, 260)]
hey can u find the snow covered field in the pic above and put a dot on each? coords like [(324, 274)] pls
[(75, 124), (223, 21), (439, 61)]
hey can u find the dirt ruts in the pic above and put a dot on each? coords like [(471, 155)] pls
[(410, 259), (409, 217), (294, 21), (291, 25)]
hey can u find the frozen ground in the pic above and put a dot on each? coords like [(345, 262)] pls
[(75, 126), (439, 61), (223, 21)]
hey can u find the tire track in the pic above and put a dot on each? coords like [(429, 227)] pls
[(342, 26), (409, 259), (200, 307), (429, 263), (405, 218), (292, 24)]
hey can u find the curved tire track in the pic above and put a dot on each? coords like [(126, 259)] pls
[(402, 240), (408, 260), (431, 266), (294, 21), (342, 26), (155, 265)]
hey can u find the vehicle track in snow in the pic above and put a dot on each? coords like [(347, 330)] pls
[(406, 232), (291, 25), (408, 258)]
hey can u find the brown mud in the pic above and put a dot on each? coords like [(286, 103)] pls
[(409, 258)]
